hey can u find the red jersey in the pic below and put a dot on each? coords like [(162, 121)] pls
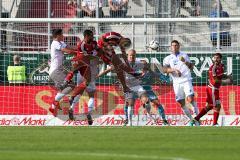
[(109, 36), (106, 42), (217, 72), (87, 49)]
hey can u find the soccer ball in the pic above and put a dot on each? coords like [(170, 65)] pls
[(154, 45)]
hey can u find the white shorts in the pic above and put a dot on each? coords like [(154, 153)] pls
[(183, 90), (136, 92), (137, 88)]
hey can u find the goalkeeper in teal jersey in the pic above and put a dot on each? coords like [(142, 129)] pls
[(141, 87), (143, 84)]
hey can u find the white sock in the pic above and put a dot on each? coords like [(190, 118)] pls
[(90, 105), (59, 96), (195, 108), (187, 112), (75, 100), (130, 114)]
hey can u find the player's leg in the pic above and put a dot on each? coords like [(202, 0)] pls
[(203, 111), (217, 107), (79, 89), (121, 77), (142, 94), (161, 111), (146, 104), (216, 111), (91, 88), (189, 92), (155, 103), (78, 63), (129, 101), (209, 104), (58, 77), (180, 98), (125, 113)]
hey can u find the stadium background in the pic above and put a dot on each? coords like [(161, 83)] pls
[(31, 41)]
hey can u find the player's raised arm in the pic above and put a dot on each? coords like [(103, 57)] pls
[(69, 50), (168, 70)]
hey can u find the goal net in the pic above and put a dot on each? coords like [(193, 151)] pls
[(27, 102)]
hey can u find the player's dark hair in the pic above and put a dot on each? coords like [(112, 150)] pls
[(87, 32), (218, 54), (56, 32), (175, 41)]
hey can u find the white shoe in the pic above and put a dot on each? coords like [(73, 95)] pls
[(194, 122), (216, 125), (197, 123)]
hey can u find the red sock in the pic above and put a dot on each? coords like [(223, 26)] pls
[(69, 76), (202, 113), (79, 89), (215, 117)]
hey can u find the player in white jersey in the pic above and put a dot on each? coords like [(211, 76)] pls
[(179, 66), (56, 71)]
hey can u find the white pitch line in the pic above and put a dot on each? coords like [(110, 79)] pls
[(132, 156)]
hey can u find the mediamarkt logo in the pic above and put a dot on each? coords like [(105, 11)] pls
[(27, 121)]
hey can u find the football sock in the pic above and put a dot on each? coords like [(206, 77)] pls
[(195, 108), (215, 117), (202, 113), (161, 111), (187, 112), (126, 111), (90, 105), (130, 114), (75, 101)]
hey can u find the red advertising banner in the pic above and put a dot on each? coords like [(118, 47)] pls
[(29, 100)]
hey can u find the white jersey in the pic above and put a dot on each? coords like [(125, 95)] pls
[(174, 62), (131, 81), (56, 55)]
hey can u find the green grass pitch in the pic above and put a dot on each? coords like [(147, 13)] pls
[(119, 143)]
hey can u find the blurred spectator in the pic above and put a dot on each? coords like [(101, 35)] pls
[(225, 38), (195, 4), (118, 8), (88, 8), (17, 72), (72, 2)]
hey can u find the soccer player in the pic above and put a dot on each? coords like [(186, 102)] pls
[(216, 77), (178, 65), (82, 62), (145, 82), (107, 42), (56, 71), (144, 92), (90, 89)]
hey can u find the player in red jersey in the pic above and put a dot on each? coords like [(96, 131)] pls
[(87, 52), (106, 43), (216, 77)]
